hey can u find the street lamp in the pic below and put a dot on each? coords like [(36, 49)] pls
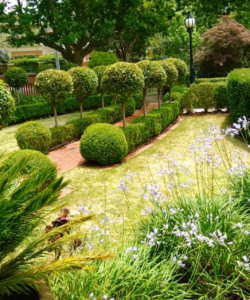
[(189, 23)]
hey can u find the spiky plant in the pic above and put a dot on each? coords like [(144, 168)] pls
[(25, 253)]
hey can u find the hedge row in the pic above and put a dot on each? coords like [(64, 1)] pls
[(141, 129), (43, 109), (200, 80)]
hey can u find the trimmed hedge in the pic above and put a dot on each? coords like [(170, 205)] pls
[(138, 100), (238, 91), (34, 135), (129, 107), (38, 110), (103, 143), (200, 80), (141, 129), (175, 97), (30, 65)]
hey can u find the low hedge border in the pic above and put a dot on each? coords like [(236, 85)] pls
[(141, 129), (201, 80), (43, 109)]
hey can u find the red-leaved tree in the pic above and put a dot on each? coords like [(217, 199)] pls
[(222, 48)]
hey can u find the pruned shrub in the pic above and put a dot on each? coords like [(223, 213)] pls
[(129, 107), (220, 95), (172, 74), (175, 97), (238, 92), (51, 59), (33, 135), (55, 86), (181, 67), (103, 143), (44, 67), (219, 79), (102, 59), (68, 66), (30, 65), (123, 80), (138, 98), (7, 105)]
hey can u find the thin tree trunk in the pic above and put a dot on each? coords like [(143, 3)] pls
[(115, 100), (123, 115), (102, 101), (159, 101), (144, 103), (170, 94), (55, 114), (80, 104), (17, 95)]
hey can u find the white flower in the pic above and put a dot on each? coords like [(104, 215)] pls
[(91, 295), (135, 256), (105, 297)]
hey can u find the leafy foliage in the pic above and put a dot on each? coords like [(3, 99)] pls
[(171, 71), (103, 143), (30, 65), (222, 48), (181, 67), (44, 67), (68, 66), (7, 105), (51, 59), (102, 59), (238, 90), (99, 70), (33, 135), (16, 77), (175, 97)]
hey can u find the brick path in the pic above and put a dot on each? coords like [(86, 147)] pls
[(69, 157)]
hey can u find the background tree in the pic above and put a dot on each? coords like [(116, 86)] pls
[(222, 48), (123, 80), (55, 86), (100, 70), (102, 59), (7, 105), (16, 78), (172, 74), (154, 78), (85, 82)]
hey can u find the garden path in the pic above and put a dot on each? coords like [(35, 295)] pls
[(69, 157)]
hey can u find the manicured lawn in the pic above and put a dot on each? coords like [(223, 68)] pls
[(7, 135)]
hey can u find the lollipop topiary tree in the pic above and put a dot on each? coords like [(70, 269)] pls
[(123, 80), (7, 105), (172, 74), (16, 78), (154, 78), (55, 86), (100, 70), (181, 67), (85, 82)]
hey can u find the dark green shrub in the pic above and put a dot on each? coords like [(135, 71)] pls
[(36, 162), (31, 99), (220, 95), (175, 97), (44, 67), (102, 59), (51, 59), (138, 98), (238, 93), (129, 107), (7, 105), (103, 143), (220, 79), (33, 135), (68, 66), (30, 65)]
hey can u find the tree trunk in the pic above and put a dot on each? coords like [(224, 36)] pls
[(78, 58), (17, 95), (115, 100), (55, 114), (80, 104), (159, 101), (144, 103), (170, 94), (123, 115), (102, 101)]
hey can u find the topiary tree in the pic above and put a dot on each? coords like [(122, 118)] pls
[(33, 135), (16, 78), (100, 70), (123, 80), (102, 59), (172, 74), (7, 105), (103, 143), (181, 67), (68, 66), (154, 78), (44, 67), (85, 82), (55, 86)]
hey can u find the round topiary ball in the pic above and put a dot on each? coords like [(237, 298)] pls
[(171, 71), (16, 77), (103, 143), (181, 67), (36, 162), (33, 135)]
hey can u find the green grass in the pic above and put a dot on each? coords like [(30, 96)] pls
[(8, 142)]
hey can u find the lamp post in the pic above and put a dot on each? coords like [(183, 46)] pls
[(189, 23)]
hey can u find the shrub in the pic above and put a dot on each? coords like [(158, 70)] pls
[(33, 135), (68, 66), (138, 100), (55, 86), (84, 82), (175, 97), (123, 80), (220, 95), (238, 92), (154, 78), (220, 79), (172, 74), (44, 67), (102, 59), (181, 67), (129, 107), (30, 65), (103, 143), (7, 105), (100, 70), (16, 78), (51, 59)]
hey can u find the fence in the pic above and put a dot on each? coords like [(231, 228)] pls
[(29, 88)]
